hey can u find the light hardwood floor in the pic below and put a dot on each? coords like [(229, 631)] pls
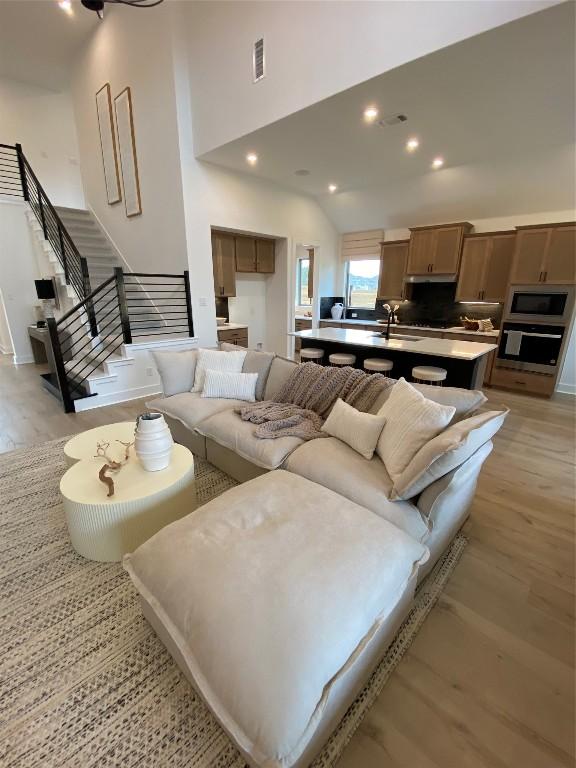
[(489, 680)]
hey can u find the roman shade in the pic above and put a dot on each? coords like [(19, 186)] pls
[(357, 246)]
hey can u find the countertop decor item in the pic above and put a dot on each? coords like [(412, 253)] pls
[(111, 464), (337, 311), (221, 321), (153, 441)]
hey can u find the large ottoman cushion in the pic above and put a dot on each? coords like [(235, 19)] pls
[(191, 408), (270, 592), (229, 430)]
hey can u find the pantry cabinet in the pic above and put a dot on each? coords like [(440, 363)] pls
[(436, 250), (485, 266), (224, 264), (545, 254), (393, 259)]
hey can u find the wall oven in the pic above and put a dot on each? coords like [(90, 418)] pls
[(531, 348), (540, 303)]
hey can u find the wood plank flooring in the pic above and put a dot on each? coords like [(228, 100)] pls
[(489, 681)]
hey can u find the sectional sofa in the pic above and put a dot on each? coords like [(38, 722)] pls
[(278, 598)]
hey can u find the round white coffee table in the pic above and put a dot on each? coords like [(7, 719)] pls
[(83, 446), (105, 528)]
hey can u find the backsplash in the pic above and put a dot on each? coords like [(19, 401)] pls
[(326, 304), (222, 307), (432, 303)]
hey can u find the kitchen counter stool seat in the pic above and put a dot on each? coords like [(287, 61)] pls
[(429, 374), (342, 358), (379, 364), (311, 353)]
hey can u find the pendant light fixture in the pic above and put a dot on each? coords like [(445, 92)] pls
[(98, 5)]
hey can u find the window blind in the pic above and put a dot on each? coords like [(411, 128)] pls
[(356, 246)]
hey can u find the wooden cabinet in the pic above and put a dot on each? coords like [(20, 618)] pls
[(254, 255), (310, 273), (535, 383), (245, 254), (436, 250), (238, 336), (265, 261), (300, 325), (224, 264), (485, 266), (393, 258), (545, 254)]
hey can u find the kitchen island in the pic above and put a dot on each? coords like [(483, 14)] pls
[(464, 361)]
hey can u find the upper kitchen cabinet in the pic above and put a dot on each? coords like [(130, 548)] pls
[(224, 264), (485, 266), (436, 250), (265, 261), (254, 255), (245, 254), (545, 254), (393, 258)]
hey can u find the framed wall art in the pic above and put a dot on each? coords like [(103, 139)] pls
[(108, 144), (127, 151)]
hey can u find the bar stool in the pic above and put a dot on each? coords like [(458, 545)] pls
[(428, 374), (379, 364), (342, 358), (311, 353)]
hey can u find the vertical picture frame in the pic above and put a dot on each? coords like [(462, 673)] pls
[(108, 144), (127, 152)]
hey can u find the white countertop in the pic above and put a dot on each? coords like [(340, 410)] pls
[(454, 329), (459, 350), (231, 327)]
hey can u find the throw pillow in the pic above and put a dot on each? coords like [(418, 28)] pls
[(176, 370), (357, 429), (446, 451), (255, 362), (231, 386), (411, 421), (216, 361)]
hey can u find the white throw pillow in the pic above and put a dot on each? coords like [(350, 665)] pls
[(411, 421), (231, 386), (446, 451), (216, 361), (176, 370), (357, 429)]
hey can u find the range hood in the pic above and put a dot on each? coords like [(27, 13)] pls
[(431, 279)]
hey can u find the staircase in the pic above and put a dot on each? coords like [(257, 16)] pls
[(100, 346), (91, 243)]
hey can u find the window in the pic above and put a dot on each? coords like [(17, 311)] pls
[(302, 298), (362, 283)]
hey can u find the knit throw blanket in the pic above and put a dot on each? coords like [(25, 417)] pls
[(307, 397)]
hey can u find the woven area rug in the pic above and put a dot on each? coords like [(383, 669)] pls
[(84, 681)]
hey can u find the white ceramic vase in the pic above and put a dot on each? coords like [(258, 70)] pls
[(153, 441), (337, 311)]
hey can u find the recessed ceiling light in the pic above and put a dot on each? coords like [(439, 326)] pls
[(252, 158), (66, 6), (332, 188), (370, 114), (412, 145), (438, 162)]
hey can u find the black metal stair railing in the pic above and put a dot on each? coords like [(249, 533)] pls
[(17, 179), (127, 307)]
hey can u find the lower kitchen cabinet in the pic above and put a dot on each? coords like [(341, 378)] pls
[(238, 336), (300, 324)]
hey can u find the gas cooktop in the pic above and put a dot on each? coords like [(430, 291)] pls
[(428, 324)]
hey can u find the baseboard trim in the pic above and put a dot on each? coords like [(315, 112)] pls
[(123, 396), (566, 389), (23, 359)]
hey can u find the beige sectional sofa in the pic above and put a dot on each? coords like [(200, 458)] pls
[(279, 597), (213, 430)]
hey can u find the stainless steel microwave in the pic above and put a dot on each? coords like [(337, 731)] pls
[(540, 303)]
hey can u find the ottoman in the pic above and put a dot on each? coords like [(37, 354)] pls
[(277, 599)]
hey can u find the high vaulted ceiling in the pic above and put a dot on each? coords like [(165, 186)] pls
[(39, 41), (498, 107)]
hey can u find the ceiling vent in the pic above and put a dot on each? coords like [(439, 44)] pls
[(258, 63), (392, 120)]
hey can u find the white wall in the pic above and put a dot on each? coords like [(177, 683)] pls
[(18, 270), (6, 347), (313, 50), (132, 48), (249, 306), (43, 122)]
